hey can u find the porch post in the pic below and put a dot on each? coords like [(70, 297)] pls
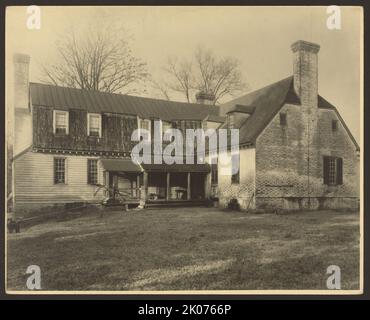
[(168, 189), (207, 185), (138, 195), (107, 183), (144, 187), (188, 190)]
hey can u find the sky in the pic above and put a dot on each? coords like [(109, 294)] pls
[(259, 37)]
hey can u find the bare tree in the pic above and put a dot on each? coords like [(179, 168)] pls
[(160, 89), (205, 73), (183, 74), (100, 59)]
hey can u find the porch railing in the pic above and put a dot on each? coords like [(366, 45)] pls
[(120, 194)]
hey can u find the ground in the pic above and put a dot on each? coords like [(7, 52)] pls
[(187, 249)]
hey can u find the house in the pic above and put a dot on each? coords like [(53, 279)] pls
[(295, 151)]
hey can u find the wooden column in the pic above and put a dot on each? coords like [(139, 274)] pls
[(144, 187), (168, 186), (107, 183), (207, 185), (189, 189), (138, 195)]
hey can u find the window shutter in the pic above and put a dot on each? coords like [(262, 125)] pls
[(88, 171), (339, 171), (326, 170), (54, 169)]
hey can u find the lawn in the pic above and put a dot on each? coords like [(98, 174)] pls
[(188, 249)]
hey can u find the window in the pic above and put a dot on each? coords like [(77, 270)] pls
[(214, 173), (231, 120), (333, 171), (94, 124), (334, 125), (60, 122), (59, 170), (92, 171), (283, 119), (235, 173), (165, 126), (145, 124)]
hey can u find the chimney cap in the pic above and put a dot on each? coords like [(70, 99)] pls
[(202, 95), (302, 45), (21, 58)]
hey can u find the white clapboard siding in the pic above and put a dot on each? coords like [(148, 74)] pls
[(34, 180)]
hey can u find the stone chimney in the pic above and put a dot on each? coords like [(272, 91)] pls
[(22, 111), (305, 71), (205, 98)]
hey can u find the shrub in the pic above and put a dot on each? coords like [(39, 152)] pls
[(233, 204)]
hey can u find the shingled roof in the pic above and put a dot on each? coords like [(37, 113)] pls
[(64, 98), (242, 109), (265, 104)]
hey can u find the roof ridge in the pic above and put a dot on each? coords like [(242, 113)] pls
[(50, 95), (272, 84)]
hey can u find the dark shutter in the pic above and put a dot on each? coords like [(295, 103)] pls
[(88, 171), (326, 170), (55, 171), (339, 171), (214, 173)]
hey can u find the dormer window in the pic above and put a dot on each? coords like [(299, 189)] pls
[(165, 126), (145, 124), (60, 122), (283, 119), (94, 124), (230, 121)]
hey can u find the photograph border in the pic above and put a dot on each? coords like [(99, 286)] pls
[(217, 294)]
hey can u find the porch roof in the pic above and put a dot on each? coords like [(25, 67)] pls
[(177, 167), (124, 165)]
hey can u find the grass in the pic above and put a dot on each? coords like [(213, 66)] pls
[(188, 249)]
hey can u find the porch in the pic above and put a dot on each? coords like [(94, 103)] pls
[(155, 184)]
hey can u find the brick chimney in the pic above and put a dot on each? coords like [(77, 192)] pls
[(22, 111), (305, 71), (205, 98)]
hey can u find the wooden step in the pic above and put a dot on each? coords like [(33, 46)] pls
[(168, 204)]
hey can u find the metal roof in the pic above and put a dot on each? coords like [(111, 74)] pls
[(64, 98), (122, 165)]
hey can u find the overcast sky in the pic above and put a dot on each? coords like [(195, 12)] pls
[(260, 37)]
